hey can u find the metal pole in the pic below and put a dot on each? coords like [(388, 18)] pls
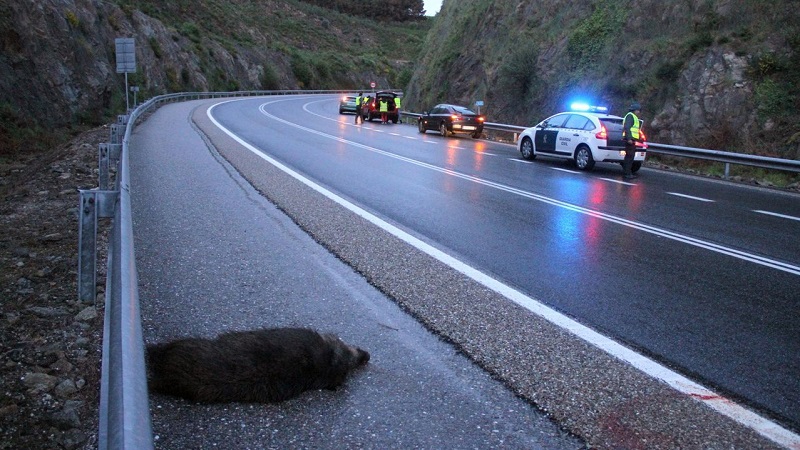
[(127, 105)]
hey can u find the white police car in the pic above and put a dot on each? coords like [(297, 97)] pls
[(586, 135)]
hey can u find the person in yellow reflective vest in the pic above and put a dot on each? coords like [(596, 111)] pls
[(397, 106), (384, 109), (631, 127), (359, 102)]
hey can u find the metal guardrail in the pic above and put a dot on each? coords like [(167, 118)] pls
[(124, 407), (764, 162)]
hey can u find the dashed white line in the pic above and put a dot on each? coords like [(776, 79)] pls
[(565, 170), (691, 197), (783, 216), (618, 181)]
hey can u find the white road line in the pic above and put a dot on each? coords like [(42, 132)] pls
[(618, 181), (769, 213), (565, 170), (740, 414), (520, 161), (691, 197)]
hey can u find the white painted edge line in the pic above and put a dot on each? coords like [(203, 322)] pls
[(740, 414), (520, 161), (691, 197), (769, 213)]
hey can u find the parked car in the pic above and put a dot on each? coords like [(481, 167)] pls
[(586, 136), (347, 104), (451, 119), (371, 110)]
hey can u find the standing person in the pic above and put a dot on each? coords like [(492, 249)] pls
[(631, 126), (384, 108), (359, 102), (397, 106)]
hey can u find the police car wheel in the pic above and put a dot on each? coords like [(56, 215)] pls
[(443, 129), (583, 158), (421, 127), (636, 166), (526, 149)]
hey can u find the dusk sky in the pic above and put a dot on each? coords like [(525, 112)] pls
[(432, 7)]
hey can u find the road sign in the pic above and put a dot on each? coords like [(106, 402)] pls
[(126, 55), (479, 103), (372, 85)]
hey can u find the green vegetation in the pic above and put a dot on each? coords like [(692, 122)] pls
[(590, 41)]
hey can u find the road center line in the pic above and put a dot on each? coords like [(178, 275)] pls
[(744, 416), (691, 197), (783, 216)]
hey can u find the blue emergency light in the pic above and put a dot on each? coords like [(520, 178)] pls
[(587, 108)]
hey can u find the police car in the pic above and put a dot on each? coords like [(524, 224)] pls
[(586, 135)]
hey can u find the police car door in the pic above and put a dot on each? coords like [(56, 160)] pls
[(572, 134), (547, 134)]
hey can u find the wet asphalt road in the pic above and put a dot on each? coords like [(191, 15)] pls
[(215, 256)]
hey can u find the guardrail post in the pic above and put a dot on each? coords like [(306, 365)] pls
[(727, 170), (93, 204), (108, 156), (117, 133)]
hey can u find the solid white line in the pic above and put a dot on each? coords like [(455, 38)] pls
[(677, 381), (769, 213), (520, 160), (691, 197)]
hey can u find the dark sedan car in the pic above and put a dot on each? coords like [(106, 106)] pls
[(451, 119)]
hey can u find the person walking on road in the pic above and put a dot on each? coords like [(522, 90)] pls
[(631, 127), (359, 102)]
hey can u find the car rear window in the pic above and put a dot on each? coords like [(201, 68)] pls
[(462, 110), (612, 124)]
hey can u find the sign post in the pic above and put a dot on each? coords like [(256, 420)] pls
[(126, 62), (479, 103)]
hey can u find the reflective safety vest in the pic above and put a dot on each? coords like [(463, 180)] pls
[(634, 128), (397, 102), (384, 106), (359, 99)]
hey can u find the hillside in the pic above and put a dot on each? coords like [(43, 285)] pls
[(722, 74), (58, 66)]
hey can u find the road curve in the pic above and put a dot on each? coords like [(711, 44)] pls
[(596, 396)]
